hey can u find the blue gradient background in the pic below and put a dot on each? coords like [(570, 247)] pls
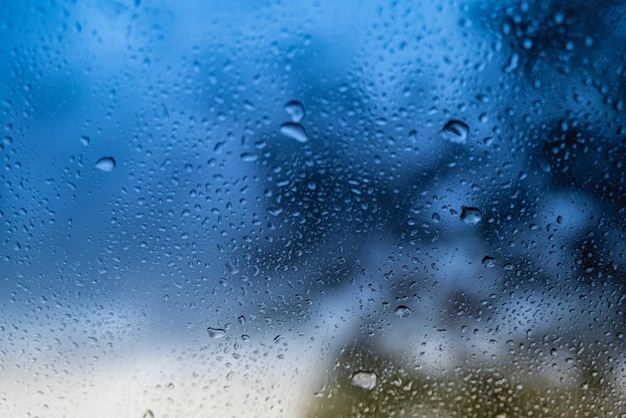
[(111, 279)]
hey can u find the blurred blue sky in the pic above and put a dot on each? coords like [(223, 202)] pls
[(213, 218)]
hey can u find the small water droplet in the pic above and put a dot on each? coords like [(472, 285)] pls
[(470, 215), (148, 414), (402, 311), (489, 262), (106, 164), (216, 333), (527, 43), (456, 131), (364, 380), (559, 18), (512, 64), (85, 140), (249, 157), (275, 211), (295, 110), (294, 131), (242, 320)]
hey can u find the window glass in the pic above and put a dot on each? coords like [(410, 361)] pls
[(312, 209)]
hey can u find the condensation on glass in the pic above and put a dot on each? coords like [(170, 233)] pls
[(314, 208)]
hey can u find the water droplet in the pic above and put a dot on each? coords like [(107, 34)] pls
[(456, 131), (216, 333), (249, 157), (85, 140), (512, 64), (489, 262), (294, 131), (402, 311), (527, 43), (559, 18), (470, 215), (364, 380), (295, 109), (106, 164), (148, 414), (242, 320), (275, 211)]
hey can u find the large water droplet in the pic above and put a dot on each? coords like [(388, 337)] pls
[(364, 380), (106, 164), (294, 131), (470, 215), (295, 110), (402, 311), (489, 262), (216, 333), (456, 131)]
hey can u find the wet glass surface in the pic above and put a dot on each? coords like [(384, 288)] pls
[(312, 208)]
